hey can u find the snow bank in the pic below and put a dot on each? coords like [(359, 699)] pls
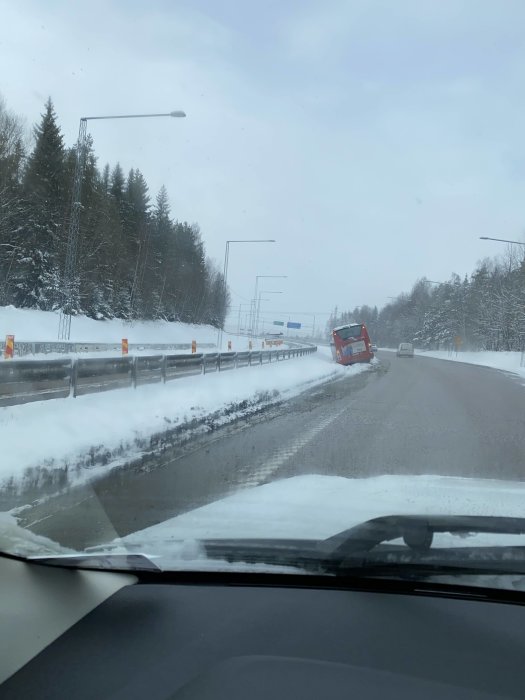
[(508, 361), (117, 424)]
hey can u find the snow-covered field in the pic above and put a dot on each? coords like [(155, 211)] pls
[(109, 429)]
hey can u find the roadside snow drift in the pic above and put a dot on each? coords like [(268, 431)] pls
[(79, 435), (506, 361)]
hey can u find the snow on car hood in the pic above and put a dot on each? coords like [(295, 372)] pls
[(317, 507)]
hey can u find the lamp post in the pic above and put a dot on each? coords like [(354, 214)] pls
[(254, 300), (259, 308), (239, 319), (501, 240), (225, 272), (64, 325)]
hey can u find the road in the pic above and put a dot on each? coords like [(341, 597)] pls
[(405, 416)]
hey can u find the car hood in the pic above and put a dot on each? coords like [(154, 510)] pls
[(318, 507)]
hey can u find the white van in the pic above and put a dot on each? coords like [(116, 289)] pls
[(405, 350)]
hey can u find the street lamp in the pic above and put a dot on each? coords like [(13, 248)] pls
[(240, 312), (259, 308), (254, 300), (501, 240), (225, 273), (64, 325)]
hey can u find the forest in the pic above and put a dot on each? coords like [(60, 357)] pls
[(482, 311), (135, 259)]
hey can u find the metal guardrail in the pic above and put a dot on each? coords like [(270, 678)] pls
[(23, 349), (22, 381)]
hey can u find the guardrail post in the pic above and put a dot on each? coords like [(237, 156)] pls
[(163, 365), (73, 379), (134, 372)]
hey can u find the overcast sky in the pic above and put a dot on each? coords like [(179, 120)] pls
[(375, 140)]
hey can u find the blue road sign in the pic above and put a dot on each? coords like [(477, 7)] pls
[(293, 324)]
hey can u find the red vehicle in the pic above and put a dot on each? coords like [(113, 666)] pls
[(351, 344)]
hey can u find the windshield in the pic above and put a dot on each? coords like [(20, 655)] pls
[(199, 202), (349, 332)]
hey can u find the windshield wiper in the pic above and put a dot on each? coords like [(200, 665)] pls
[(114, 562), (418, 531), (362, 550)]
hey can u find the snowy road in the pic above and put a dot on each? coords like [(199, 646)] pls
[(407, 416)]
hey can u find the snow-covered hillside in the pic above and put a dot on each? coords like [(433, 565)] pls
[(31, 325)]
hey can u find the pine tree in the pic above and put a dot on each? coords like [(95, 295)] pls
[(137, 231), (12, 207), (161, 233), (38, 274), (45, 175)]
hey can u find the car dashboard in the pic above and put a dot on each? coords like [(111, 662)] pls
[(253, 636)]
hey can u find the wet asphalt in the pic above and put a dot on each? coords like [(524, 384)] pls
[(403, 416)]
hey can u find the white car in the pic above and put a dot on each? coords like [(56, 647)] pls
[(373, 347), (405, 350)]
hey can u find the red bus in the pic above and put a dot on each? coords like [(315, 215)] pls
[(351, 344)]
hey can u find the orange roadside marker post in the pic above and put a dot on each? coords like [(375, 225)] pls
[(193, 346), (9, 350), (125, 346)]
